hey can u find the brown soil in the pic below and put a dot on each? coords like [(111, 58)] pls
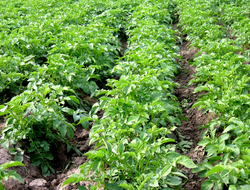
[(190, 129), (86, 98), (66, 164), (124, 45)]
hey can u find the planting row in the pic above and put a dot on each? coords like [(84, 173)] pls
[(223, 73), (35, 37), (51, 52), (133, 148), (235, 17)]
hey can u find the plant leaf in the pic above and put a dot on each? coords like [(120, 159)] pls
[(215, 169), (166, 170), (120, 148), (73, 98), (112, 186), (207, 185), (63, 130), (70, 132), (82, 188), (11, 164), (186, 161)]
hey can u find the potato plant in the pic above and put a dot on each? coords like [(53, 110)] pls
[(221, 73), (133, 150), (48, 51), (52, 50)]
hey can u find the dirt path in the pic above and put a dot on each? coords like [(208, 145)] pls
[(190, 129)]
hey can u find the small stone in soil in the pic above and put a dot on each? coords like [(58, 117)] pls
[(38, 183)]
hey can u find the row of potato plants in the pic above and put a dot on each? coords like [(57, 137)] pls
[(49, 35), (223, 74), (235, 17), (49, 51), (132, 147)]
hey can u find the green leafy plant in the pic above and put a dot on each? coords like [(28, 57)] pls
[(222, 74), (10, 174), (37, 115), (132, 150)]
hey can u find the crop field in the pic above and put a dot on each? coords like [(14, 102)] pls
[(125, 94)]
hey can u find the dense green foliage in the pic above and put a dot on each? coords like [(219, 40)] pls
[(133, 150), (52, 52), (49, 49), (222, 72)]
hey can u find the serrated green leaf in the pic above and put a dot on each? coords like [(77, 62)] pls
[(233, 179), (13, 151), (49, 156), (85, 125), (36, 163), (68, 110), (214, 159), (245, 187), (223, 138), (95, 108), (18, 157), (145, 181), (154, 183), (199, 168), (201, 88), (197, 104), (96, 165), (179, 174), (204, 142), (236, 121)]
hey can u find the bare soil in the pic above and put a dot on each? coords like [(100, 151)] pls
[(66, 164), (190, 129)]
